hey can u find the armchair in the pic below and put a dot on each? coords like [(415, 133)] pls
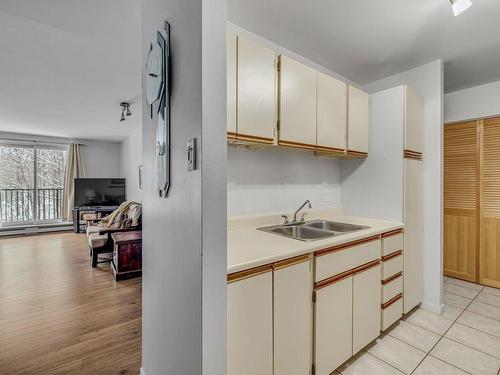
[(99, 236)]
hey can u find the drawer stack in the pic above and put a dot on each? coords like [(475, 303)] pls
[(392, 278)]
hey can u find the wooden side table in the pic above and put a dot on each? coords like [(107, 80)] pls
[(127, 254)]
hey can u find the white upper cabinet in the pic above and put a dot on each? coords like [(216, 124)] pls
[(293, 106), (298, 104), (414, 118), (256, 90), (358, 118), (332, 113), (231, 81)]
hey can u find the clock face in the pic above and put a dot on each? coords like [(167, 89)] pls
[(154, 73)]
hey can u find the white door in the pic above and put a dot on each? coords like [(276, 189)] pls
[(256, 109), (250, 326), (231, 81), (366, 304), (358, 120), (333, 326), (298, 103), (414, 120), (413, 237), (293, 319), (331, 112)]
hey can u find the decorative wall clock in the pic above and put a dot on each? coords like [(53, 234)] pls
[(158, 91)]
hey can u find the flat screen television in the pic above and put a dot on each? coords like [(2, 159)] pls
[(93, 192)]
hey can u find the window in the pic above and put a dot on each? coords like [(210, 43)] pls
[(31, 183)]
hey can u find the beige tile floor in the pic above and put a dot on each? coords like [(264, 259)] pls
[(464, 339)]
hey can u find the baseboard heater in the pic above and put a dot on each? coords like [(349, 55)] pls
[(34, 229)]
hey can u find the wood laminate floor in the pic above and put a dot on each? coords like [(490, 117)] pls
[(58, 315)]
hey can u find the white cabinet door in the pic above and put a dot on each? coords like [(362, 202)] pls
[(298, 103), (256, 108), (250, 325), (414, 120), (231, 81), (358, 120), (333, 325), (293, 319), (332, 113), (413, 237), (366, 303)]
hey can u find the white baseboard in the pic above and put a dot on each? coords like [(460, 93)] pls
[(34, 229), (142, 371), (438, 309)]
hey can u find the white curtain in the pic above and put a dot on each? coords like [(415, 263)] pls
[(74, 169)]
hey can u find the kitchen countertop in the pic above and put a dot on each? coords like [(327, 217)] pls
[(248, 247)]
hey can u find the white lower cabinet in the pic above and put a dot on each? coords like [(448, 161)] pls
[(293, 319), (333, 325), (366, 303), (277, 324), (250, 325)]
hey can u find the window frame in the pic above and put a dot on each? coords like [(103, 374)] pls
[(34, 146)]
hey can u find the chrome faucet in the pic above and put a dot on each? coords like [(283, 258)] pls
[(306, 203)]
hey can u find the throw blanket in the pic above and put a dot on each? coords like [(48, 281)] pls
[(127, 215)]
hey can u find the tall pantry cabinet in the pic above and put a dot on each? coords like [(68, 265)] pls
[(389, 183)]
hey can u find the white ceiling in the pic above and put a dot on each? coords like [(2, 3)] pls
[(365, 40), (65, 65)]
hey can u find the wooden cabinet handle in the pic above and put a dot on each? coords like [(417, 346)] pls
[(391, 301), (346, 246)]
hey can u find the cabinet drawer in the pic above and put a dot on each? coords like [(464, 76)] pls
[(392, 266), (338, 259), (392, 288), (391, 313), (392, 243)]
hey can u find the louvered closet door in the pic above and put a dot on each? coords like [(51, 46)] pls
[(461, 200), (490, 204)]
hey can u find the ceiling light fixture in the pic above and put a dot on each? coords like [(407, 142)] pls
[(460, 6), (125, 110)]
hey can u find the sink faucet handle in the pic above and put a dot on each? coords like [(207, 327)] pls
[(302, 218), (285, 219)]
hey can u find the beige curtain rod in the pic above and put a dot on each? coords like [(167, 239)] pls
[(36, 141)]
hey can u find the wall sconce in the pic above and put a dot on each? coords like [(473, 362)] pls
[(125, 110)]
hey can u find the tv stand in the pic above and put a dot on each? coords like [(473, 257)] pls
[(80, 224)]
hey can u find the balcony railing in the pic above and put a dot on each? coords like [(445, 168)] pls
[(17, 205)]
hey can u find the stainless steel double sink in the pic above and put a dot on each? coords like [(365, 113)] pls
[(312, 230)]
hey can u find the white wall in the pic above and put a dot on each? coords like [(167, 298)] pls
[(382, 199), (270, 180), (427, 80), (472, 103), (101, 159), (130, 159), (214, 191), (184, 235)]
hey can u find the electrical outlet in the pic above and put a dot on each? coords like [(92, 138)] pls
[(327, 196)]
